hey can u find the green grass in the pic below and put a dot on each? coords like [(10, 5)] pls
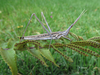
[(18, 12)]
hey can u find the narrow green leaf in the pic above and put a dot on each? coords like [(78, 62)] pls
[(46, 53), (37, 54), (9, 57)]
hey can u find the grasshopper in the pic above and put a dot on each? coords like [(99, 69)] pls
[(49, 35)]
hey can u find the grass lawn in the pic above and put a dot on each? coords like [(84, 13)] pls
[(14, 16)]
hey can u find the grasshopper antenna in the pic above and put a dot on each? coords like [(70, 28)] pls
[(67, 31)]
